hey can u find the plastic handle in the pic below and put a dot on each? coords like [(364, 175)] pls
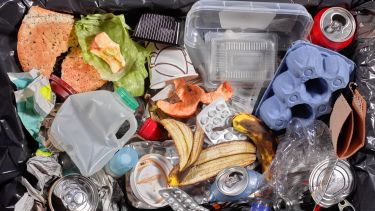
[(133, 125)]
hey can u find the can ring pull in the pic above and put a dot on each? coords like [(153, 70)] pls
[(345, 206)]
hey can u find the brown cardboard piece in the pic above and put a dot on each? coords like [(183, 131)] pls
[(341, 124), (347, 124)]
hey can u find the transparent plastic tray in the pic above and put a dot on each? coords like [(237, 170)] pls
[(245, 58)]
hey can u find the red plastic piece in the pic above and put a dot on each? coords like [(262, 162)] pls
[(150, 130)]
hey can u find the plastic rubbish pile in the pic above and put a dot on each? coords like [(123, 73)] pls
[(233, 105)]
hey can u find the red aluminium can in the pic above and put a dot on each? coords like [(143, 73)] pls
[(333, 28)]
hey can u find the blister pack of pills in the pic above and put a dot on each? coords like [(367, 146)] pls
[(215, 121), (179, 200)]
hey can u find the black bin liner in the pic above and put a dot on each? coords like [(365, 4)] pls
[(16, 145)]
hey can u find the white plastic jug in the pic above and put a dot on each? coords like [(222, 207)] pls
[(86, 126)]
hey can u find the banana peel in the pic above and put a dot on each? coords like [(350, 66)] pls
[(263, 138), (225, 149), (180, 134), (197, 145), (207, 170)]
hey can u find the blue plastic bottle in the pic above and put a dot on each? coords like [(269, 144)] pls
[(124, 160)]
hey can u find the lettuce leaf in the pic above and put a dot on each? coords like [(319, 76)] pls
[(132, 79)]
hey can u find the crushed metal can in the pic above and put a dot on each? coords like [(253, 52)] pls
[(340, 184), (73, 193), (149, 176), (235, 184)]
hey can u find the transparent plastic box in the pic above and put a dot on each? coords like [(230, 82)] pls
[(238, 41)]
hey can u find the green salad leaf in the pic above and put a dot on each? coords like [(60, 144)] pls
[(132, 79)]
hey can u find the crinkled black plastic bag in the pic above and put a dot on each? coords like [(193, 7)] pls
[(13, 144)]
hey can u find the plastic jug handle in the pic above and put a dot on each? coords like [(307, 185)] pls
[(133, 125)]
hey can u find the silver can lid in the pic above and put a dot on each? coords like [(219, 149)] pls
[(232, 181), (339, 186), (337, 24), (148, 177), (73, 193)]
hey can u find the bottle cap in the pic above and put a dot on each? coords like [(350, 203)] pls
[(127, 98), (124, 160), (150, 130)]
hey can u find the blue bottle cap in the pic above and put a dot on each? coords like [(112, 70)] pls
[(124, 160), (127, 98)]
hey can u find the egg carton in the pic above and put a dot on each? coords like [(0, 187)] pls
[(303, 85), (215, 121), (179, 200)]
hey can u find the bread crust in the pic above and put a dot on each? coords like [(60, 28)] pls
[(80, 76), (42, 37)]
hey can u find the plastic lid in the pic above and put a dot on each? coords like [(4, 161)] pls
[(123, 161), (127, 98)]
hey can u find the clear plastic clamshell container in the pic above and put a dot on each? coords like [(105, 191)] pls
[(238, 41)]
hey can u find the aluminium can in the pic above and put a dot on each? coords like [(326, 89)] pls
[(340, 183), (333, 28), (148, 177), (73, 193), (235, 184)]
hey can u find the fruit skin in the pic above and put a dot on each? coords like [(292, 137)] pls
[(197, 145), (188, 137), (190, 95), (225, 149), (178, 137), (263, 138), (204, 171)]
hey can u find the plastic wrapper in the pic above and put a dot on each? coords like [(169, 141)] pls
[(301, 150)]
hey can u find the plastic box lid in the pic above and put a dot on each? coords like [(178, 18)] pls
[(286, 22)]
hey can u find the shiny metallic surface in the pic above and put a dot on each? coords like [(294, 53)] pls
[(232, 181), (339, 186), (337, 24), (73, 193)]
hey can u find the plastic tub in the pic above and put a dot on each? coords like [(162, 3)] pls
[(212, 26)]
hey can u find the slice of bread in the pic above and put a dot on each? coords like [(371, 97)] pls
[(42, 37), (80, 76)]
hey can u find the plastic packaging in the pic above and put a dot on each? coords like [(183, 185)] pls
[(215, 121), (124, 160), (237, 40), (302, 149), (86, 126), (303, 85)]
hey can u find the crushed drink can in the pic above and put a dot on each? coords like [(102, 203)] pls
[(148, 177), (333, 28), (339, 186), (235, 184), (73, 193)]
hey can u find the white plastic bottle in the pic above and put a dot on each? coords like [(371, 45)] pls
[(86, 126)]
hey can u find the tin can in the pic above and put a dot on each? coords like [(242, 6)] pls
[(149, 176), (73, 193), (333, 28), (340, 184), (235, 184)]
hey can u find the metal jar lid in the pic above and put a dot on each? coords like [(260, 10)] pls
[(337, 24), (148, 177), (340, 185), (73, 193), (232, 181)]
